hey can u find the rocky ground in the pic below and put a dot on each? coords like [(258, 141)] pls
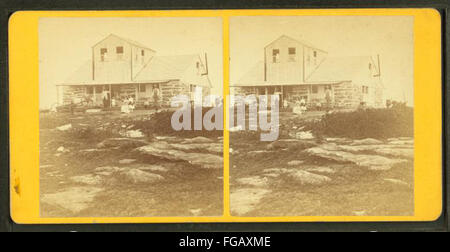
[(102, 164), (108, 164), (302, 175)]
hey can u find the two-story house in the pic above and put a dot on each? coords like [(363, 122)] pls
[(297, 70), (123, 68)]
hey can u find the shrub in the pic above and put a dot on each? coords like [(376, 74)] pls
[(397, 121), (160, 124)]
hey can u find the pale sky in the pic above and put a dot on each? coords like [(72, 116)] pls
[(389, 36), (65, 44)]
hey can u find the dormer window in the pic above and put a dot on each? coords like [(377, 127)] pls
[(119, 52), (275, 55), (103, 52), (292, 54)]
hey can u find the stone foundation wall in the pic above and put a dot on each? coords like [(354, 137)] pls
[(171, 89), (73, 94), (347, 95)]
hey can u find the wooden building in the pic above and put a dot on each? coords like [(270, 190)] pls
[(297, 70), (121, 68)]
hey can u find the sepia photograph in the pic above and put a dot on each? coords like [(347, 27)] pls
[(109, 91), (322, 116)]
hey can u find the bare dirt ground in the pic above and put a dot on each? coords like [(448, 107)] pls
[(302, 175), (104, 165)]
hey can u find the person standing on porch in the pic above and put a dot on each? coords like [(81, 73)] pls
[(105, 98), (156, 98)]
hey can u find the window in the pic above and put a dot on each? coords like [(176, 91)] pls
[(370, 66), (142, 53), (365, 89), (98, 90), (90, 90), (315, 53), (142, 88), (119, 52), (315, 89), (103, 52), (275, 55), (292, 53)]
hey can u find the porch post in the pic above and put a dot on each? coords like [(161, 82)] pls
[(110, 96), (136, 92)]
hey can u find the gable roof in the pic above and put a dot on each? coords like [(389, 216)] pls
[(307, 44), (129, 41)]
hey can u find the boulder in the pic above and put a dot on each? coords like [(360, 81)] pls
[(121, 142), (134, 134), (216, 148), (373, 162), (137, 176), (74, 199), (154, 168), (65, 127), (295, 162), (396, 181), (198, 139), (404, 153), (320, 169), (308, 178), (127, 161), (254, 181), (89, 179), (366, 141), (245, 200), (167, 151)]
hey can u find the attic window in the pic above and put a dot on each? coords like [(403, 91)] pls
[(275, 55), (365, 89), (103, 52), (292, 53), (119, 52)]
